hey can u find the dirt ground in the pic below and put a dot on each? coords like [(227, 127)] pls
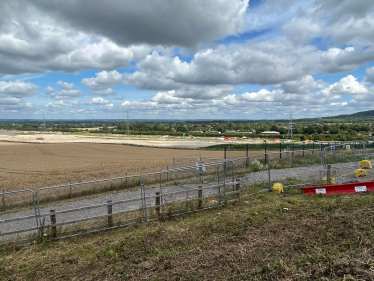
[(30, 165), (153, 141)]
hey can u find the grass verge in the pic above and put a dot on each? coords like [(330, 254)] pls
[(264, 237)]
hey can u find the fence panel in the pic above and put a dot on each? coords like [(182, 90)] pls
[(186, 160), (207, 183), (91, 215), (198, 187), (21, 227), (73, 190)]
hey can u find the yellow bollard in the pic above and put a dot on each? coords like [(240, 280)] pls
[(277, 188), (365, 164), (360, 172), (333, 181)]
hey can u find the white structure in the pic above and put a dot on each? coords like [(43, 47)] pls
[(270, 133)]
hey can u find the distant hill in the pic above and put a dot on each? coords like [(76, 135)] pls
[(369, 113)]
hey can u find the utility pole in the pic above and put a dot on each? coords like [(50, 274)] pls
[(128, 124), (290, 128), (43, 123)]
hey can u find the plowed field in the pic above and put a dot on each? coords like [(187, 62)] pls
[(38, 165)]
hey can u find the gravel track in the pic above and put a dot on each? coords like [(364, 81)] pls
[(302, 173)]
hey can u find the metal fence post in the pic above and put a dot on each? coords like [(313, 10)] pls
[(158, 203), (237, 188), (269, 172), (200, 195), (218, 173), (233, 171), (293, 148), (280, 150), (144, 203), (175, 173), (53, 223), (328, 174), (265, 151), (224, 182), (200, 173), (246, 155), (110, 211)]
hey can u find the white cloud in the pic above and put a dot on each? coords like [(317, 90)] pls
[(106, 92), (98, 101), (303, 86), (166, 23), (344, 21), (65, 85), (166, 98), (255, 63), (101, 55), (32, 41), (9, 101), (63, 103), (347, 86), (103, 80), (252, 63), (63, 94), (18, 89), (370, 75), (109, 106)]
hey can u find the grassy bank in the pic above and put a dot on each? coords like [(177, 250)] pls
[(327, 237)]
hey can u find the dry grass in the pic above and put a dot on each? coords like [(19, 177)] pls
[(318, 238)]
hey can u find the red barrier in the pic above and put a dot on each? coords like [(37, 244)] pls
[(340, 188)]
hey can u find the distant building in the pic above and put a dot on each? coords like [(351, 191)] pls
[(270, 133), (215, 132), (237, 132)]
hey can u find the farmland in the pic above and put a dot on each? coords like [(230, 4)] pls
[(28, 165)]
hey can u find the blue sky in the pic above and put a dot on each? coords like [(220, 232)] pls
[(228, 59)]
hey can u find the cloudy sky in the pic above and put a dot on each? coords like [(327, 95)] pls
[(195, 59)]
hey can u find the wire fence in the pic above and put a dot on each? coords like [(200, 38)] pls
[(205, 183), (197, 190)]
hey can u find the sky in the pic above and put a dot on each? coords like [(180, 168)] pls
[(196, 59)]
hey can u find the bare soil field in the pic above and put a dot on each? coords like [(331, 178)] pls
[(153, 141), (31, 166)]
